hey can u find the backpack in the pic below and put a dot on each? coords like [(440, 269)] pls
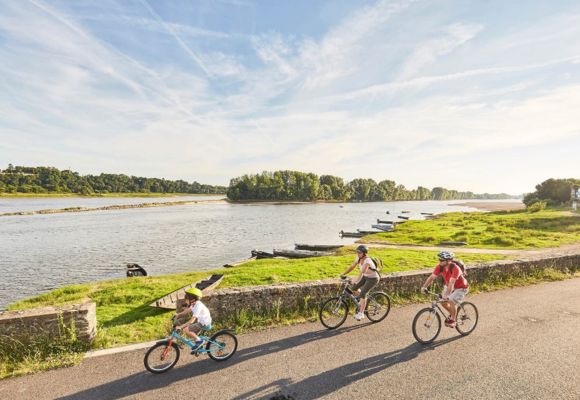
[(378, 263), (457, 263)]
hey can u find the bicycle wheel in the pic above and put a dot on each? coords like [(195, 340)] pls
[(426, 325), (222, 345), (161, 357), (333, 312), (378, 306), (467, 317)]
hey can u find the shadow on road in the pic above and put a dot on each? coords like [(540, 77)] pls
[(330, 381), (145, 381)]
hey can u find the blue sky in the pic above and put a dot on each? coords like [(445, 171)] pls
[(469, 95)]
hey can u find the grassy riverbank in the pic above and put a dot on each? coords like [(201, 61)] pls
[(124, 316), (495, 230)]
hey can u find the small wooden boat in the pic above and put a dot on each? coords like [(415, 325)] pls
[(368, 232), (451, 243), (239, 263), (317, 247), (380, 221), (135, 270), (300, 253), (402, 217), (388, 212), (426, 213), (259, 254), (405, 212), (350, 234), (384, 227), (170, 300)]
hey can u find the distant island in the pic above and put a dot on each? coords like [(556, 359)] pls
[(301, 186), (49, 180), (266, 186)]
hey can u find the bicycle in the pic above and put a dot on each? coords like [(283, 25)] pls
[(163, 355), (427, 322), (334, 311)]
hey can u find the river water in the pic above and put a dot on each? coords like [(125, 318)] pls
[(42, 252)]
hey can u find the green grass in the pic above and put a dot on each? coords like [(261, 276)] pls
[(495, 230), (124, 315), (39, 353)]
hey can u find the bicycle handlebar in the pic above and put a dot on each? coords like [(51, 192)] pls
[(438, 295)]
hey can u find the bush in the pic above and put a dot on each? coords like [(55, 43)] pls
[(537, 206)]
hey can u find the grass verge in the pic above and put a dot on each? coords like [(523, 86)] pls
[(40, 353), (495, 230)]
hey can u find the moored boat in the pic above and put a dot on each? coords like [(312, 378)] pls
[(317, 247), (384, 227), (170, 300), (259, 254), (299, 253), (350, 234)]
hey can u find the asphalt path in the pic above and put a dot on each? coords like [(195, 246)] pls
[(526, 346)]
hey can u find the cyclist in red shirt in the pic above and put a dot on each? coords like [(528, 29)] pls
[(456, 286)]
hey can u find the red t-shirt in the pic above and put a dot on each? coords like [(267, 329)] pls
[(454, 272)]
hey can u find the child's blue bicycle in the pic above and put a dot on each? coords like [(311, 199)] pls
[(164, 354)]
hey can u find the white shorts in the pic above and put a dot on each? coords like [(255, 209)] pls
[(457, 295)]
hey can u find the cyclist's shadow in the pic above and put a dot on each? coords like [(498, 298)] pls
[(145, 381), (330, 381)]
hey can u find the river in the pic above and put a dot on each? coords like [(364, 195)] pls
[(44, 252)]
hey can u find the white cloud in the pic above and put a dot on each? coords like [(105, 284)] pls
[(426, 53), (303, 103)]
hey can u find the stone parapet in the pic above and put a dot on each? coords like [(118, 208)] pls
[(276, 298), (52, 322)]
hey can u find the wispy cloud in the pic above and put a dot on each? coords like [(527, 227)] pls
[(173, 31), (391, 87)]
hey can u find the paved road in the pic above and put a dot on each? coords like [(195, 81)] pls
[(526, 346)]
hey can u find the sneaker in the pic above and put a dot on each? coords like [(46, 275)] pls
[(359, 316), (196, 346)]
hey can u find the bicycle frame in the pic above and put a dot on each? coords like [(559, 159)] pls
[(345, 294), (435, 305), (201, 349)]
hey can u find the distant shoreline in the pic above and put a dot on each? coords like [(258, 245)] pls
[(112, 207), (485, 206), (492, 205), (101, 195)]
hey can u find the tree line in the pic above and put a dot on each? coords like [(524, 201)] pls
[(51, 180), (554, 192), (301, 186)]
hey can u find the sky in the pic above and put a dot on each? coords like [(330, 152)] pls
[(469, 95)]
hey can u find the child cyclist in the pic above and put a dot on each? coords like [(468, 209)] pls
[(200, 316)]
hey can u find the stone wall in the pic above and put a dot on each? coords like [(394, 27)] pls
[(268, 300), (284, 297), (51, 322)]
